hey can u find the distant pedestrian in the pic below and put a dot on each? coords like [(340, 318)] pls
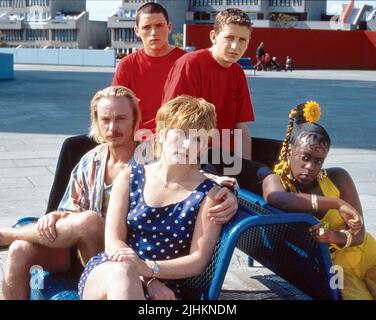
[(260, 53), (288, 64), (274, 65), (267, 61)]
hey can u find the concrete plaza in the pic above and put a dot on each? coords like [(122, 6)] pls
[(45, 104)]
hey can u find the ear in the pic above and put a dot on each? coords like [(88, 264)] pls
[(169, 27), (213, 37), (136, 31)]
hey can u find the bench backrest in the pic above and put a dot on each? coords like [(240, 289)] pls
[(288, 249)]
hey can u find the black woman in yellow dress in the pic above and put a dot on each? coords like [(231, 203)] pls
[(300, 184)]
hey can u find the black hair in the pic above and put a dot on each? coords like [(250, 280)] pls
[(313, 131), (151, 7)]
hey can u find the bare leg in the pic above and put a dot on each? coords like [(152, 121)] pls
[(113, 281), (22, 256), (84, 230)]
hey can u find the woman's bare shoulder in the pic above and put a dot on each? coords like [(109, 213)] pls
[(340, 176)]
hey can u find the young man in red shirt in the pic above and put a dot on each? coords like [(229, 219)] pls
[(214, 75), (145, 71)]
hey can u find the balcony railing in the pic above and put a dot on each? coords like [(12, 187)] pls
[(234, 3), (11, 24), (286, 3)]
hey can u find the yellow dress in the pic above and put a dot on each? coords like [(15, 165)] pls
[(358, 262)]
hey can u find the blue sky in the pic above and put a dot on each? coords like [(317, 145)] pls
[(101, 9)]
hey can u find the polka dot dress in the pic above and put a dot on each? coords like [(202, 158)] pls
[(161, 233)]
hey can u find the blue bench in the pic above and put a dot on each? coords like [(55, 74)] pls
[(280, 241), (246, 64)]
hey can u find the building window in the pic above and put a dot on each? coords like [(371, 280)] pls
[(203, 3), (12, 35), (45, 16), (125, 34), (64, 35), (285, 3), (252, 15), (136, 1), (40, 3), (36, 16), (242, 2), (36, 34), (126, 13), (202, 16), (5, 3)]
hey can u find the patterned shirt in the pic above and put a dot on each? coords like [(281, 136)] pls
[(85, 190)]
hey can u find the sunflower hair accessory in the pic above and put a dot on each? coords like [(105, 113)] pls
[(311, 111)]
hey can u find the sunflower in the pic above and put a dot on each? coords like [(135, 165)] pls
[(312, 111)]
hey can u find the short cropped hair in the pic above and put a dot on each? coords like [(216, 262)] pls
[(185, 112), (109, 92), (231, 16), (151, 7)]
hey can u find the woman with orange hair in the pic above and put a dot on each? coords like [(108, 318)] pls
[(157, 224)]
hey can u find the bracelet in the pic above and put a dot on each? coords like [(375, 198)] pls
[(314, 202), (150, 281), (348, 238)]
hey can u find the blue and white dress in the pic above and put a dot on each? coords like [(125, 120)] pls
[(161, 233)]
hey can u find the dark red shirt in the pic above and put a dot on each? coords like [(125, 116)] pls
[(198, 74), (146, 76)]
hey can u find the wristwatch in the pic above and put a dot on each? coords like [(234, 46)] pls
[(155, 268)]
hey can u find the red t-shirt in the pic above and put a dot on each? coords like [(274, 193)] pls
[(146, 76), (198, 74)]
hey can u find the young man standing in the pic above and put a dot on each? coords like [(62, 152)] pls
[(145, 71), (214, 75)]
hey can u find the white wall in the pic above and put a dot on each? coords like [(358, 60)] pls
[(62, 56)]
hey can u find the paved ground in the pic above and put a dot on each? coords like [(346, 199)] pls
[(45, 104)]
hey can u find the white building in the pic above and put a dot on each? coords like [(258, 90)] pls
[(51, 23), (180, 12)]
